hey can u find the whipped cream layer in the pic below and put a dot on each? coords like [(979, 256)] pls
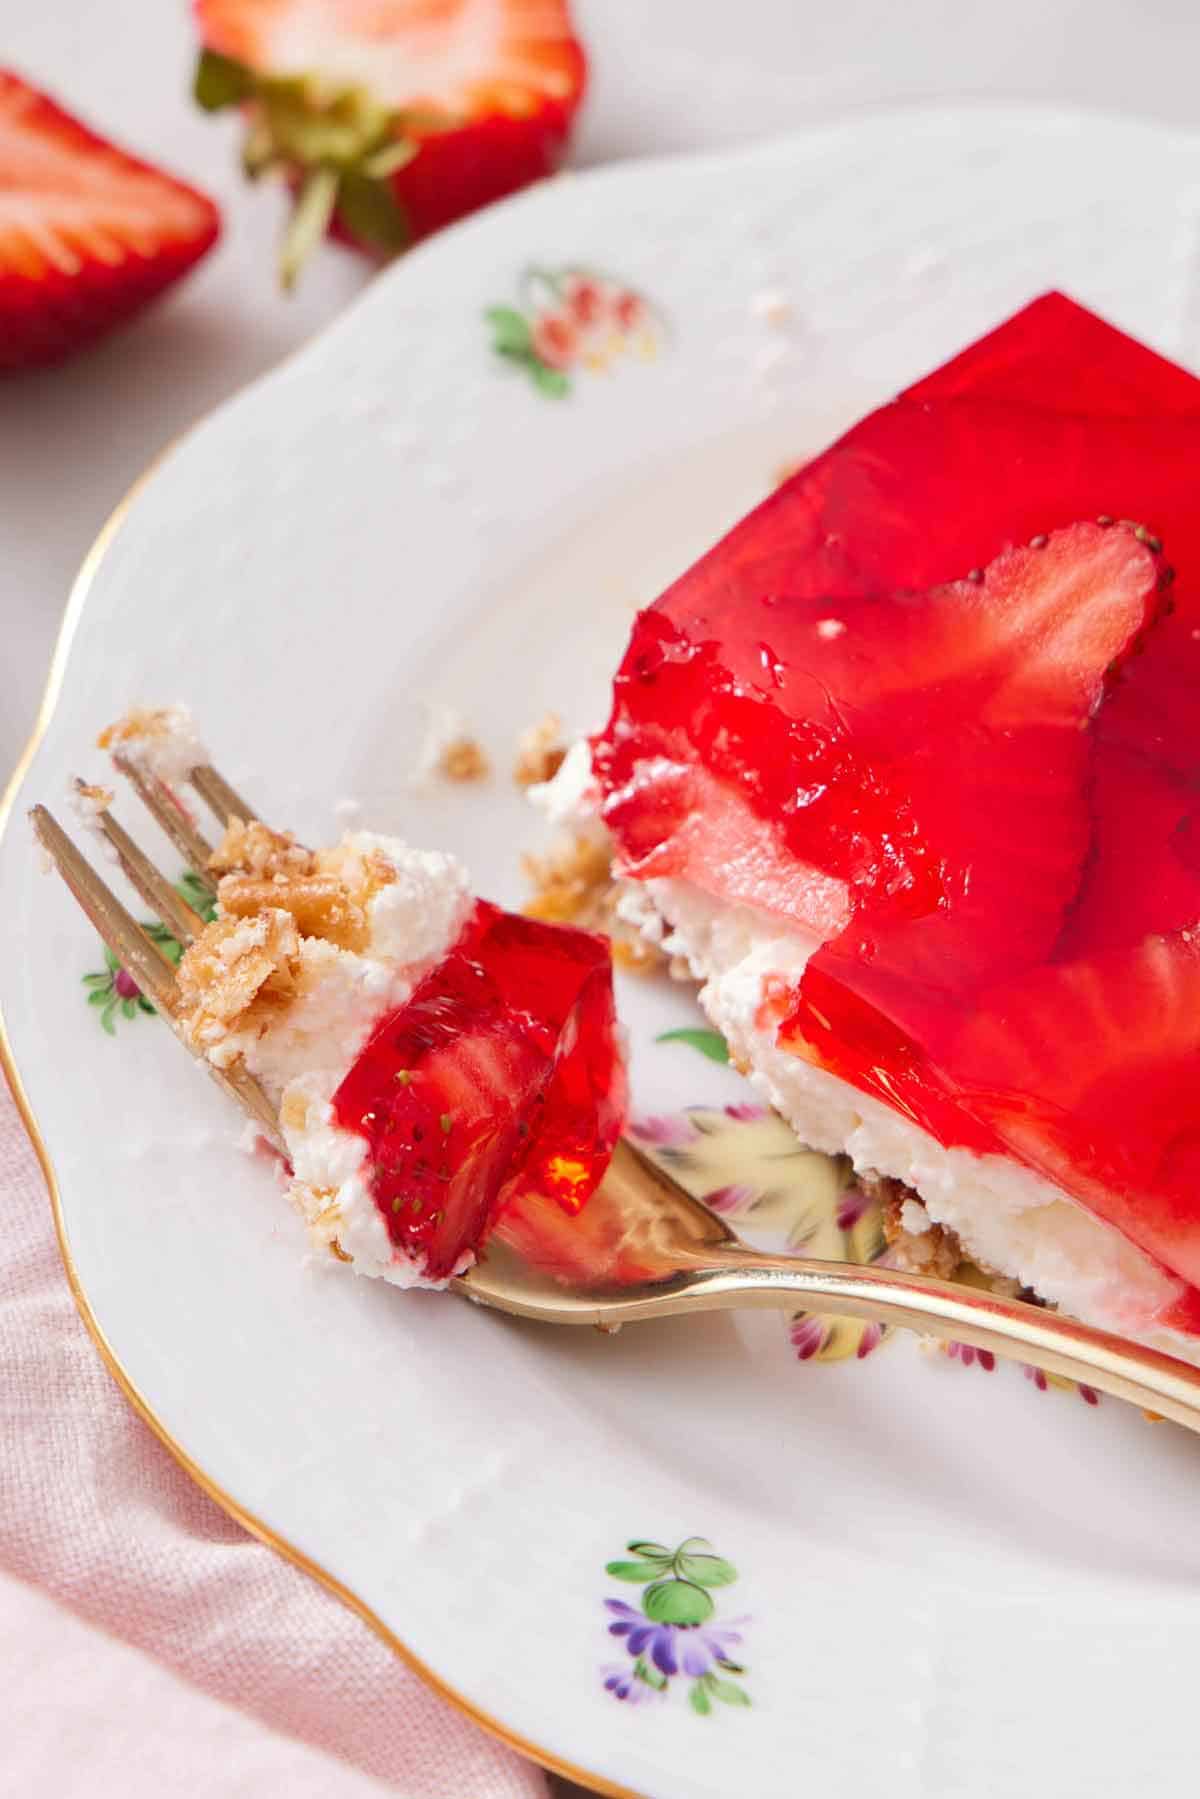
[(1005, 1216), (303, 1053)]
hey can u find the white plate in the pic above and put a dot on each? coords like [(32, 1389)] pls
[(948, 1581)]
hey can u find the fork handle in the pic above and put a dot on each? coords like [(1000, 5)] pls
[(734, 1276)]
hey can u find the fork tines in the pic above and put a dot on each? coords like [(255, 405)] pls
[(133, 948)]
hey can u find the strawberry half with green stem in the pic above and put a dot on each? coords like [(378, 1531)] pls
[(391, 118), (88, 234)]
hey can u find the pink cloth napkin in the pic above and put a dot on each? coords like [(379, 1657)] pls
[(95, 1512)]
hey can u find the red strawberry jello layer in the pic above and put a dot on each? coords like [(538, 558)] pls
[(908, 766), (496, 1088)]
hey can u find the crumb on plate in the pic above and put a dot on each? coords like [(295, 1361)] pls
[(463, 759), (540, 751)]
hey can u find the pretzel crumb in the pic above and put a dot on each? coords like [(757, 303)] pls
[(463, 759), (573, 884), (540, 751)]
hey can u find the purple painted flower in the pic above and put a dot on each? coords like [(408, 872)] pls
[(747, 1114), (809, 1335), (1041, 1381), (851, 1205), (669, 1131), (621, 1681), (730, 1200), (695, 1648)]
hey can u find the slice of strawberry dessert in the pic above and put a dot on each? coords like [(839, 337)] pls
[(438, 1065), (908, 768)]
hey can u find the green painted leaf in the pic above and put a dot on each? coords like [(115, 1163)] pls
[(730, 1667), (649, 1674), (370, 211), (728, 1691), (128, 1008), (198, 894), (144, 1004), (100, 996), (709, 1043), (651, 1552), (698, 1699), (220, 81), (106, 1018), (111, 959), (637, 1571), (706, 1570), (510, 331), (677, 1602), (96, 980), (551, 382)]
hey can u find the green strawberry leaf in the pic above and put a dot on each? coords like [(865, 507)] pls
[(370, 210), (510, 331), (650, 1552), (259, 151), (551, 382), (96, 980), (106, 1018), (220, 81), (309, 222), (397, 155), (641, 1572), (100, 996), (129, 1008), (728, 1691), (698, 1699), (706, 1570), (677, 1602), (709, 1043)]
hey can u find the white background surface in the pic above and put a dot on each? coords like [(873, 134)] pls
[(667, 74)]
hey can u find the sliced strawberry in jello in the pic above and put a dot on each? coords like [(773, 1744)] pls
[(923, 763), (499, 1083)]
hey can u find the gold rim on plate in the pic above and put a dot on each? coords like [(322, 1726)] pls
[(255, 1526)]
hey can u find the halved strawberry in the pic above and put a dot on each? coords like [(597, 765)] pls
[(88, 234), (498, 1085), (392, 118)]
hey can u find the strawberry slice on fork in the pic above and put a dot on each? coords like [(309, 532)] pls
[(391, 118)]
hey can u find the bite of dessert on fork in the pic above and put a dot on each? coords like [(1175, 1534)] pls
[(422, 1060)]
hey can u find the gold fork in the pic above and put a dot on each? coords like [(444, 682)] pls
[(687, 1259)]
